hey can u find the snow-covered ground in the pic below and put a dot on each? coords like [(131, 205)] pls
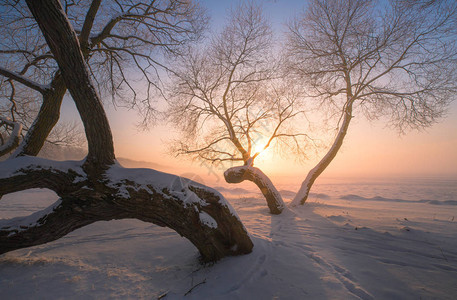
[(354, 239)]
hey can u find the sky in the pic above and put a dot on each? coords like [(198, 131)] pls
[(370, 149)]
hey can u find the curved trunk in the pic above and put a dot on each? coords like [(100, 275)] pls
[(198, 213), (303, 192), (45, 121), (271, 194), (64, 45)]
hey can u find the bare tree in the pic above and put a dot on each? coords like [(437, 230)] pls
[(230, 102), (99, 189), (391, 59), (124, 42)]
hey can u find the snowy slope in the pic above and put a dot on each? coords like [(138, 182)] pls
[(348, 242)]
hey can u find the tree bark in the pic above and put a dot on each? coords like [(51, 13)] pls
[(47, 118), (303, 192), (64, 45), (271, 194), (180, 204)]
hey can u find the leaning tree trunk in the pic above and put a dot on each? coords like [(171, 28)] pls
[(199, 213), (303, 192), (46, 119), (99, 189), (271, 194)]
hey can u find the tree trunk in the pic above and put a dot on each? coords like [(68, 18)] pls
[(49, 113), (303, 192), (45, 121), (196, 212), (271, 194), (64, 45)]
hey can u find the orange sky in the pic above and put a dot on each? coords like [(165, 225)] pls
[(369, 150)]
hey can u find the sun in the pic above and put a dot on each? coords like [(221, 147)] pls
[(259, 147), (265, 157)]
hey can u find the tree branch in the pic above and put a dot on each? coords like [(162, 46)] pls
[(25, 81), (88, 23)]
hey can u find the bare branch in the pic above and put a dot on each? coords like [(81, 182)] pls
[(25, 81), (88, 24)]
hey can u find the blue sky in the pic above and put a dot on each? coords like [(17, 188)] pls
[(279, 11)]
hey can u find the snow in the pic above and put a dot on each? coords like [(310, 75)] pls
[(18, 224), (176, 185), (207, 220), (12, 167), (17, 129), (260, 178), (351, 240)]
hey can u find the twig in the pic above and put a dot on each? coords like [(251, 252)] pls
[(442, 253), (161, 296), (189, 291)]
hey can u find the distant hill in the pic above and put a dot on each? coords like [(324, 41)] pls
[(130, 163), (72, 153)]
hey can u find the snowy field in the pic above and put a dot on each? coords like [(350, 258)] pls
[(373, 239)]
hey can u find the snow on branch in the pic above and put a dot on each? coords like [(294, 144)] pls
[(196, 212), (15, 225), (13, 141), (255, 175), (24, 80), (152, 181)]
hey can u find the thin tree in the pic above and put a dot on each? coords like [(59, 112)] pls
[(99, 189), (231, 104), (392, 59)]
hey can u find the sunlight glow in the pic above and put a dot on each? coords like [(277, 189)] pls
[(259, 146)]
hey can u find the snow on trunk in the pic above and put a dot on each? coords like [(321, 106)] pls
[(13, 140), (303, 192), (269, 191)]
